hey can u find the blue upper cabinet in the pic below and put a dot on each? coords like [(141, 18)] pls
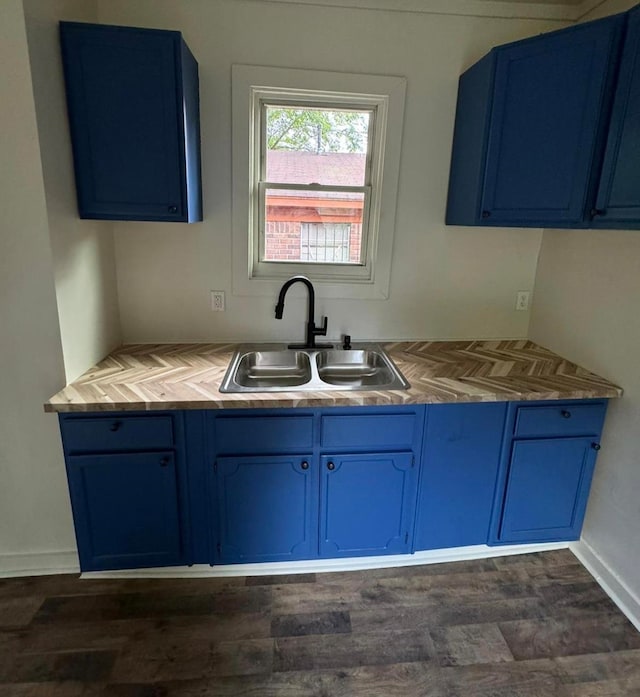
[(530, 129), (133, 105), (618, 201)]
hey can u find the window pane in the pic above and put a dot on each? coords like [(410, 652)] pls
[(325, 243), (316, 146), (322, 227)]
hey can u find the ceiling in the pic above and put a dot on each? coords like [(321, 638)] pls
[(561, 10), (543, 2)]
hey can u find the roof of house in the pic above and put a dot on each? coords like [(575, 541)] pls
[(330, 169)]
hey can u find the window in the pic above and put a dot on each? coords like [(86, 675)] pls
[(315, 178), (315, 161), (330, 242)]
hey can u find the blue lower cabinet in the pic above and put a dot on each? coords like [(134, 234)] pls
[(264, 508), (126, 510), (547, 489), (367, 504), (213, 487), (460, 460)]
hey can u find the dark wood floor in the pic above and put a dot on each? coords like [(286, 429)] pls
[(528, 626)]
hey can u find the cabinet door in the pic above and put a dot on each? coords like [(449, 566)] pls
[(126, 510), (367, 504), (619, 193), (123, 97), (264, 508), (547, 489), (459, 470), (548, 96)]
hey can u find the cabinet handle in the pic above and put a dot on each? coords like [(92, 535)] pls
[(173, 209), (596, 446), (164, 461), (330, 466), (304, 465), (115, 426), (597, 211), (486, 214), (566, 414)]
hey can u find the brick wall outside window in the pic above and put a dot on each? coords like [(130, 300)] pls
[(283, 241), (284, 221)]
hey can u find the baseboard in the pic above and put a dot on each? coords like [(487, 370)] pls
[(39, 563), (66, 562), (436, 556), (611, 583)]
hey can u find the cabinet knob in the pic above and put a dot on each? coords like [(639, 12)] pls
[(486, 214), (173, 209), (115, 426), (304, 465), (596, 446), (566, 413), (330, 466), (597, 211), (164, 461)]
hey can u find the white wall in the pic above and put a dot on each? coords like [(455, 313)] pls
[(587, 293), (34, 508), (83, 250), (586, 308), (446, 282)]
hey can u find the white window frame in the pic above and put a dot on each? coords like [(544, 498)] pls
[(254, 86)]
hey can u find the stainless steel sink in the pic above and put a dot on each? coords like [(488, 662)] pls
[(355, 368), (266, 369), (274, 368)]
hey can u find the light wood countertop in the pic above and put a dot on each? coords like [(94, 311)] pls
[(188, 376)]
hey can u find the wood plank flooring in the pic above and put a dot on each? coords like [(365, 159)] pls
[(533, 625)]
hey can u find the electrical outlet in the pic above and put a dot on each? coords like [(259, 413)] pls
[(217, 300), (522, 300)]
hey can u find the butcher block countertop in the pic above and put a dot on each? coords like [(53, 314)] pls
[(187, 376)]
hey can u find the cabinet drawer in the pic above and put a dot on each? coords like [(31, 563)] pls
[(263, 434), (560, 420), (117, 433), (368, 431)]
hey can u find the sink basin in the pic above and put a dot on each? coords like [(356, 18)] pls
[(260, 369), (356, 368), (274, 368)]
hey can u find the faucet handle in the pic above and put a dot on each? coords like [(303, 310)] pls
[(321, 331)]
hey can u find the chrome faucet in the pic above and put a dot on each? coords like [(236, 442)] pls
[(312, 330)]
